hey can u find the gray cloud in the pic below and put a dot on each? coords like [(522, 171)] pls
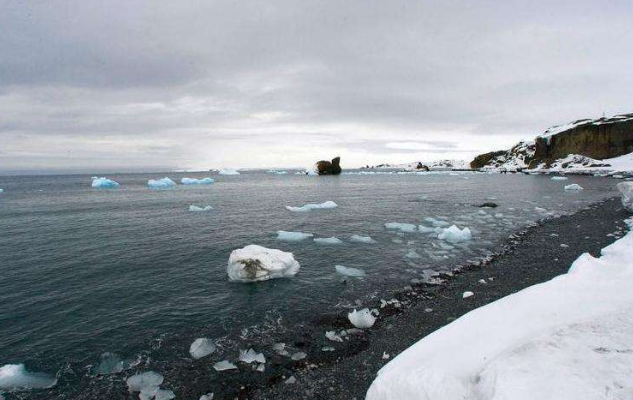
[(196, 84)]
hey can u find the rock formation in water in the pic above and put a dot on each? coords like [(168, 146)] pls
[(329, 167)]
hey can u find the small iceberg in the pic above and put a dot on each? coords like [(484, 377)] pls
[(300, 355), (101, 183), (148, 383), (455, 235), (228, 171), (274, 171), (362, 319), (208, 396), (201, 347), (436, 222), (198, 209), (164, 183), (467, 295), (293, 236), (255, 263), (331, 335), (573, 186), (361, 239), (16, 377), (194, 181), (400, 226), (224, 366), (313, 206), (559, 178), (348, 271), (112, 363), (251, 356), (330, 240)]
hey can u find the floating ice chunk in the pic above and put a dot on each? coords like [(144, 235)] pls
[(330, 240), (348, 271), (361, 239), (385, 355), (313, 206), (412, 254), (146, 382), (198, 209), (402, 227), (201, 347), (208, 396), (290, 380), (300, 355), (227, 171), (467, 295), (331, 335), (455, 235), (626, 188), (16, 377), (111, 363), (573, 186), (260, 368), (256, 263), (162, 394), (194, 181), (540, 209), (362, 319), (280, 348), (292, 236), (164, 183), (101, 183), (559, 178), (250, 356), (426, 229), (436, 222), (1, 190), (224, 366)]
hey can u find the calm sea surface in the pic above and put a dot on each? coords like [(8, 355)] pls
[(86, 271)]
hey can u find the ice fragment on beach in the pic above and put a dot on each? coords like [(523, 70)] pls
[(362, 319), (331, 335), (467, 295), (162, 394), (250, 355), (228, 171), (194, 181), (224, 366), (385, 356), (163, 183), (436, 222), (16, 377), (146, 382), (208, 396), (330, 240), (101, 183), (573, 186), (292, 236), (626, 188), (198, 209), (312, 206), (201, 347), (348, 271), (455, 235), (402, 227), (291, 380), (298, 356), (361, 239), (280, 348), (255, 263)]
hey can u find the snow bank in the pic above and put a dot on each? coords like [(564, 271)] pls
[(626, 188), (164, 183), (101, 183), (400, 226), (194, 181), (227, 171), (255, 263), (573, 186), (329, 240), (198, 209), (348, 271), (568, 338), (313, 206), (292, 236), (455, 235), (201, 347), (16, 377), (362, 319), (361, 239)]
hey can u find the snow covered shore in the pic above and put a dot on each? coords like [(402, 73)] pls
[(568, 338)]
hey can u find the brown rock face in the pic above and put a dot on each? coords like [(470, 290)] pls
[(329, 168), (422, 167), (483, 159)]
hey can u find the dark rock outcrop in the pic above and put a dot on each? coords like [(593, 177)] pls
[(421, 167), (489, 205), (484, 159), (329, 167)]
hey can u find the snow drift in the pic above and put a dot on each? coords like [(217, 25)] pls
[(255, 263), (568, 338)]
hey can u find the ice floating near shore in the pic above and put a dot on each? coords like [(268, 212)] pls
[(1, 190), (559, 178), (274, 171), (16, 377), (436, 222), (362, 319), (224, 365), (101, 183), (361, 239), (227, 171), (208, 396), (330, 240), (400, 226), (455, 235), (348, 271), (164, 183), (573, 186), (251, 356), (426, 229), (148, 383), (112, 363), (292, 236), (194, 181), (198, 209), (201, 347), (626, 188), (313, 206), (466, 295), (331, 335), (255, 263)]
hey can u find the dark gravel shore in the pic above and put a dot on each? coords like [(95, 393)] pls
[(537, 255)]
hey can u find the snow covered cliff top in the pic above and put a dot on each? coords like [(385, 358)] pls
[(556, 129)]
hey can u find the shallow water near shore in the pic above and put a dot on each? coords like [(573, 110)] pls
[(86, 271)]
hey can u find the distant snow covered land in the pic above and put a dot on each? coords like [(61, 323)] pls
[(569, 338)]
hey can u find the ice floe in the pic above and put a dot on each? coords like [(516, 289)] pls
[(224, 365), (453, 234), (401, 226), (300, 355), (147, 383), (559, 178), (362, 319), (208, 396), (164, 183), (195, 181), (348, 271), (329, 240), (201, 347), (251, 356), (16, 377), (626, 189), (280, 348), (112, 363), (256, 263), (313, 206), (361, 239), (101, 183), (198, 209), (573, 186), (436, 222), (292, 236), (228, 171)]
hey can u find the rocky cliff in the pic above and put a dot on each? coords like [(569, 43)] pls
[(329, 167)]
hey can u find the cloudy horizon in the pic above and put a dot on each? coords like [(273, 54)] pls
[(146, 86)]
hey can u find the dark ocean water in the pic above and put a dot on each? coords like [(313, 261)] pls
[(86, 271)]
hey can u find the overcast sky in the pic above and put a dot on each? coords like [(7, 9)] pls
[(123, 85)]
